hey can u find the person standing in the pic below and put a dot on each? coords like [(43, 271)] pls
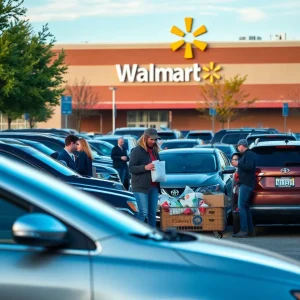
[(246, 170), (67, 155), (84, 160), (140, 167), (120, 159)]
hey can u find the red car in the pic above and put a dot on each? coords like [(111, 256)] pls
[(276, 197)]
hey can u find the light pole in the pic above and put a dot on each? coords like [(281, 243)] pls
[(113, 89)]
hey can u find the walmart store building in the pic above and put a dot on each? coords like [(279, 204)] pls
[(145, 99)]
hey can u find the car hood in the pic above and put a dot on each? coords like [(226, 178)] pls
[(211, 253), (186, 179)]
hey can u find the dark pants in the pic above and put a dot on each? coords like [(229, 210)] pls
[(244, 208), (122, 173)]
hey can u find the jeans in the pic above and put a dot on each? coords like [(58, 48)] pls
[(122, 173), (244, 208), (147, 204)]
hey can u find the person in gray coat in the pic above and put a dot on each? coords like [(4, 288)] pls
[(140, 167)]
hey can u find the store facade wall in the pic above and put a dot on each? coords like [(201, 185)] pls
[(273, 71)]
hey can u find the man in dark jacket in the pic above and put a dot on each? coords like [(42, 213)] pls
[(140, 167), (246, 170), (67, 155), (120, 159)]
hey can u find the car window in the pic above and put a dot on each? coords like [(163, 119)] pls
[(105, 150), (233, 138), (189, 162), (266, 138), (15, 158), (137, 133), (53, 146), (9, 213), (201, 136), (277, 156), (225, 159), (178, 145), (167, 135)]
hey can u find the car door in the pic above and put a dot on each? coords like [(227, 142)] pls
[(33, 273)]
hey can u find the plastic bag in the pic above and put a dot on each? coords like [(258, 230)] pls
[(159, 173), (202, 207)]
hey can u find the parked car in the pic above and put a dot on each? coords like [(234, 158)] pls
[(205, 135), (129, 144), (133, 131), (168, 134), (184, 133), (59, 132), (229, 150), (57, 144), (59, 243), (203, 170), (276, 197), (103, 147), (109, 191), (180, 143), (218, 136), (251, 138)]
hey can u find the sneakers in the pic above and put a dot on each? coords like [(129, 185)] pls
[(241, 234)]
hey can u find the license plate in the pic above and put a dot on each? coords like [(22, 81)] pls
[(285, 182)]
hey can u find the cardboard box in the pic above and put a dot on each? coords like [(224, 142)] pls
[(217, 200), (214, 219)]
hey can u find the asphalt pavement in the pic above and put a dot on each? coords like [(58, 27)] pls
[(283, 240)]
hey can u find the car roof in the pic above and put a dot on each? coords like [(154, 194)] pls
[(275, 143), (181, 140), (113, 137), (131, 128), (18, 135), (269, 134), (215, 145), (200, 131), (190, 150)]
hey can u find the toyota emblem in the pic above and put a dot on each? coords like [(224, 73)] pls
[(174, 193), (285, 170)]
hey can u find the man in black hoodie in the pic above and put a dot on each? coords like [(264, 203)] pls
[(246, 170)]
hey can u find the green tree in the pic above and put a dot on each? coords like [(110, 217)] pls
[(31, 74), (41, 115), (227, 97)]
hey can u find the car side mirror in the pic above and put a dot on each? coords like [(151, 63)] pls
[(229, 170), (38, 229)]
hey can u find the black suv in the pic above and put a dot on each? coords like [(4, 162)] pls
[(239, 133)]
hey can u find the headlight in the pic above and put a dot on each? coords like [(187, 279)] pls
[(209, 188), (133, 206), (103, 175)]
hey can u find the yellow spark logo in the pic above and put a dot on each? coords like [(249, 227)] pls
[(211, 72), (188, 48)]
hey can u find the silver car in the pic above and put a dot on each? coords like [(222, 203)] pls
[(59, 243)]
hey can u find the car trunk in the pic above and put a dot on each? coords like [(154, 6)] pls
[(278, 175)]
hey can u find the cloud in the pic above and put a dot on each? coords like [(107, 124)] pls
[(74, 9)]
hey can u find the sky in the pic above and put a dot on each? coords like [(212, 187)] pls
[(150, 21)]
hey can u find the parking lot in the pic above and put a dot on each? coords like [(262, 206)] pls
[(282, 240)]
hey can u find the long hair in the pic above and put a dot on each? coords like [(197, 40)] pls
[(86, 148), (143, 143)]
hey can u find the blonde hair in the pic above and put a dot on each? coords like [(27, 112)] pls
[(86, 148), (143, 143)]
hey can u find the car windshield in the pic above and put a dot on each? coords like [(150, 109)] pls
[(52, 163), (105, 150), (233, 138), (167, 135), (265, 138), (178, 145), (201, 136), (277, 156), (39, 146), (189, 162), (115, 142), (228, 150), (137, 133)]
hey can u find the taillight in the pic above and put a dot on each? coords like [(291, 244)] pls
[(259, 176)]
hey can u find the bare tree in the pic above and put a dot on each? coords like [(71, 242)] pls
[(227, 98), (83, 100)]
